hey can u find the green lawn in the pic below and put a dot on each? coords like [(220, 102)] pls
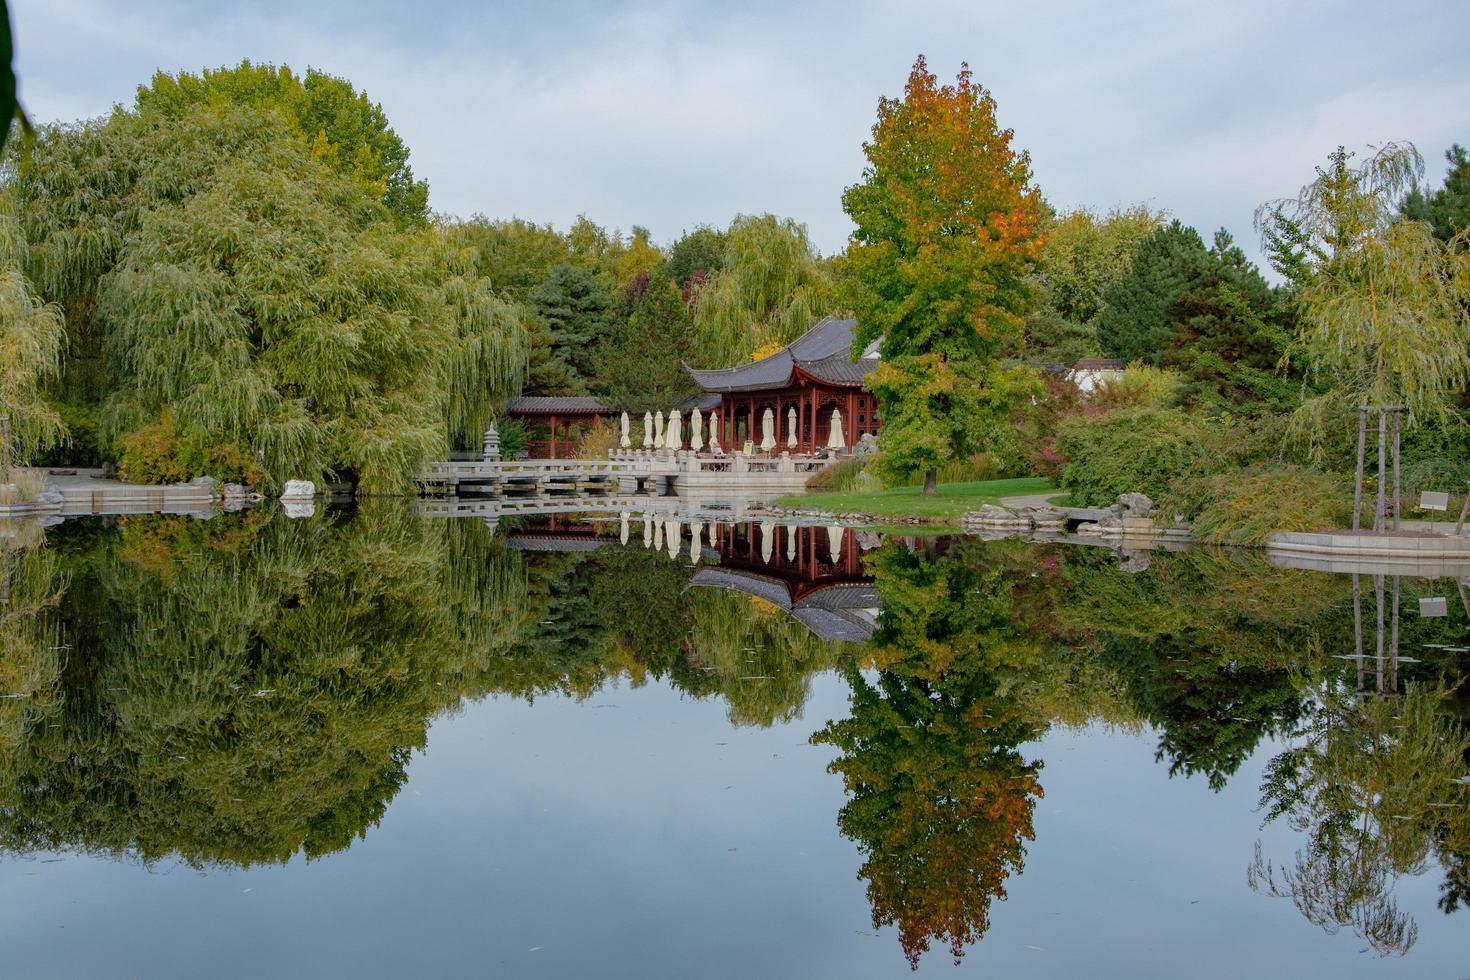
[(952, 500)]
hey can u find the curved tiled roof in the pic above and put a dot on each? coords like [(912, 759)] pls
[(570, 404), (824, 352), (841, 611)]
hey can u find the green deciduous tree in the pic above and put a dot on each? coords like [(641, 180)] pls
[(697, 255), (512, 255), (342, 126), (1082, 256), (948, 229)]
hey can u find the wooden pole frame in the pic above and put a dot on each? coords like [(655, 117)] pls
[(1362, 454), (1398, 415), (1378, 513)]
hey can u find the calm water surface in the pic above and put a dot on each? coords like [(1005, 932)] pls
[(370, 744)]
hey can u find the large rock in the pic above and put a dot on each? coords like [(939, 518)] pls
[(867, 445), (205, 484), (1133, 505), (298, 490)]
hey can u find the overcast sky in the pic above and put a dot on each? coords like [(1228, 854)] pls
[(673, 114)]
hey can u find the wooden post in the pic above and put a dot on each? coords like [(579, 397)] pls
[(1358, 627), (1378, 514), (1378, 601), (1362, 452), (553, 437), (1393, 643), (852, 430), (1397, 486)]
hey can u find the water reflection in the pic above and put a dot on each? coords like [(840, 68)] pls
[(248, 689), (941, 798)]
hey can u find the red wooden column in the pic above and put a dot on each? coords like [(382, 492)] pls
[(852, 432), (553, 437)]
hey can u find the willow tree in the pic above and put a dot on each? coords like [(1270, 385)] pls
[(948, 230), (770, 288), (1383, 301), (239, 691), (232, 295), (1373, 783), (32, 337)]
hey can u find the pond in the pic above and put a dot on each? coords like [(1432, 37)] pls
[(370, 743)]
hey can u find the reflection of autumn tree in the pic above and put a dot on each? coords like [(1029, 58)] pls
[(1374, 784), (240, 691), (940, 798)]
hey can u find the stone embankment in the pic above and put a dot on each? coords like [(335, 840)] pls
[(76, 492), (1132, 516), (1133, 521)]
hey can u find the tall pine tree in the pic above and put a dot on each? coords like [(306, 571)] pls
[(571, 309)]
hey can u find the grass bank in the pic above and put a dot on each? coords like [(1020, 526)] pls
[(952, 500)]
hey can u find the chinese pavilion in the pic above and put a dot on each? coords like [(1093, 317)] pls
[(802, 383)]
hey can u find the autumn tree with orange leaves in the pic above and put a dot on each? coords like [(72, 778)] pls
[(940, 797), (948, 226)]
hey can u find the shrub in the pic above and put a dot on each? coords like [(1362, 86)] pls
[(1246, 506), (513, 438), (153, 454), (598, 441), (1142, 450), (22, 487), (157, 453), (840, 477), (1141, 386)]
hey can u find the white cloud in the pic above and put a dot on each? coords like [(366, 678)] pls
[(672, 114)]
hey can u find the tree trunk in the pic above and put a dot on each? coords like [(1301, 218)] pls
[(931, 482)]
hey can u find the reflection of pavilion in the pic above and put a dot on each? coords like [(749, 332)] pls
[(814, 574)]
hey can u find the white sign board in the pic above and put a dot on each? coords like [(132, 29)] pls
[(1433, 606), (1434, 500)]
